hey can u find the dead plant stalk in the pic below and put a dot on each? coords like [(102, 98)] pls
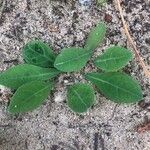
[(126, 31)]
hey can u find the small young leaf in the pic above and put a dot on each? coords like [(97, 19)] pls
[(95, 37), (118, 87), (29, 96), (101, 2), (21, 74), (72, 59), (113, 59), (39, 54), (80, 97)]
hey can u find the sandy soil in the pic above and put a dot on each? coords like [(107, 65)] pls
[(107, 126)]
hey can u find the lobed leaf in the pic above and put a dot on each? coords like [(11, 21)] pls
[(95, 37), (39, 54), (118, 87), (71, 59), (80, 97), (29, 96), (21, 74), (113, 59)]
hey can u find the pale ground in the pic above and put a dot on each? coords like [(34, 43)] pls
[(53, 126)]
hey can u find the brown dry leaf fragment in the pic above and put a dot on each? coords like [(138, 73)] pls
[(143, 128), (108, 18)]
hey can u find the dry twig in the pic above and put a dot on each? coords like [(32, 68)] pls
[(136, 52), (143, 128)]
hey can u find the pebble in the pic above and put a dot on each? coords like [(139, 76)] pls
[(85, 2)]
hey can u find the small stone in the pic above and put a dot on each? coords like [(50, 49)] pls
[(66, 81), (85, 2), (59, 97)]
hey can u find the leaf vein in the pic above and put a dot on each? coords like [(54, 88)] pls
[(103, 81)]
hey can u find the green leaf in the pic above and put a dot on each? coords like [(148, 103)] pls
[(95, 37), (39, 54), (101, 2), (118, 87), (29, 96), (71, 59), (21, 74), (80, 97), (113, 59)]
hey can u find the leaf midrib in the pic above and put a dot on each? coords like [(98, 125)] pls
[(32, 76), (39, 62), (76, 58), (48, 58), (38, 92), (108, 59), (27, 99), (117, 87), (76, 93)]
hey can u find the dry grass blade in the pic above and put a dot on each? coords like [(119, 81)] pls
[(136, 52)]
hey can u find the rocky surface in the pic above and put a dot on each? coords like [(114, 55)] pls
[(107, 126)]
